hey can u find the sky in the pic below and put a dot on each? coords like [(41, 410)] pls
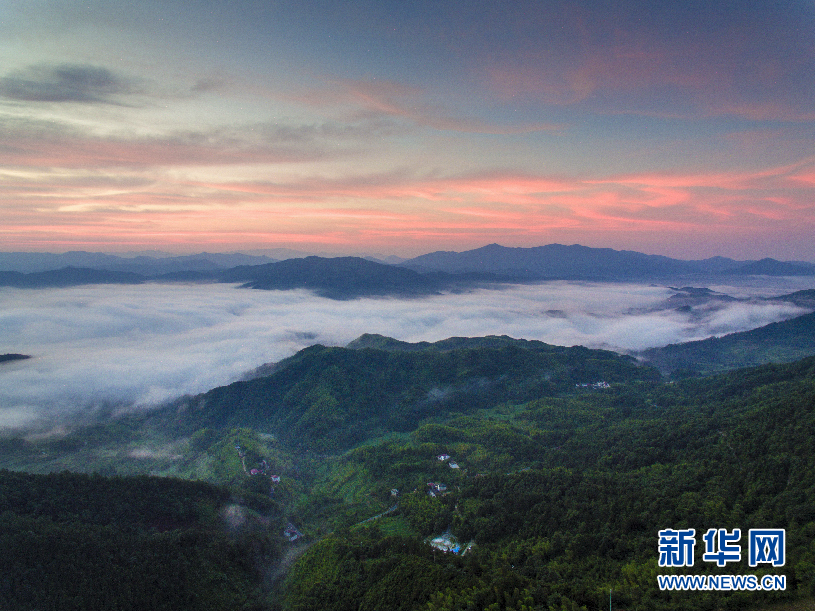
[(684, 129), (140, 345)]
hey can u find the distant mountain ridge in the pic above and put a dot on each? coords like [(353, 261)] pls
[(554, 261), (68, 276), (534, 262), (33, 262), (576, 262), (350, 277), (333, 278), (337, 278), (771, 267)]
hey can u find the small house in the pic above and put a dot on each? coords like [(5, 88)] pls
[(446, 543)]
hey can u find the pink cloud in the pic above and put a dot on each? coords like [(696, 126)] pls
[(43, 144), (399, 210), (396, 100)]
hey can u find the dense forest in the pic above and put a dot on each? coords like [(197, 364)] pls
[(473, 473), (328, 399), (780, 342), (564, 497), (74, 541)]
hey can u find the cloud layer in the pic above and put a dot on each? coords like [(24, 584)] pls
[(141, 345)]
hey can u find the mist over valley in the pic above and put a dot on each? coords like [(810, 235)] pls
[(135, 346)]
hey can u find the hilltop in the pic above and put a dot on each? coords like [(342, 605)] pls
[(330, 398), (336, 278)]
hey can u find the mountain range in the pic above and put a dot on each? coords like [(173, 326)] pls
[(32, 262), (333, 473), (575, 262), (350, 277)]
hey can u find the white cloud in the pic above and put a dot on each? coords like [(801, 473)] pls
[(141, 345)]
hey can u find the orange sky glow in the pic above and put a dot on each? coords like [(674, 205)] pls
[(682, 131)]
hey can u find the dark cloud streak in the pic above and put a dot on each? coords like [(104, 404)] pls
[(66, 83)]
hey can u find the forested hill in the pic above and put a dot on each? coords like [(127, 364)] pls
[(554, 468), (780, 342), (76, 542), (335, 278), (565, 496), (804, 299), (326, 398)]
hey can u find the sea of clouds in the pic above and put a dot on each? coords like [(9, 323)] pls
[(103, 346)]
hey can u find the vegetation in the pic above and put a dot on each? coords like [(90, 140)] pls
[(330, 399), (551, 472), (73, 541), (593, 479), (781, 342)]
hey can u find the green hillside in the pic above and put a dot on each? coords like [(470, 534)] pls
[(780, 342), (563, 498), (327, 399), (552, 471)]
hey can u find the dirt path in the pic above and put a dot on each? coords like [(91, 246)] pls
[(386, 512)]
